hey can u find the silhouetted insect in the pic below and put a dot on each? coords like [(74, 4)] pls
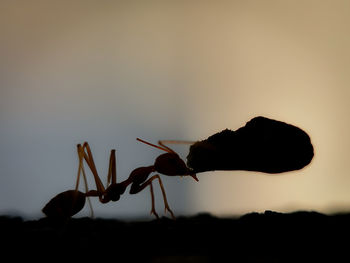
[(70, 202), (263, 145)]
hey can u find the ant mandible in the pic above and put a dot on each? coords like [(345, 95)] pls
[(71, 202)]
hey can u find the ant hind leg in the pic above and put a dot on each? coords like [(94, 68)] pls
[(81, 169)]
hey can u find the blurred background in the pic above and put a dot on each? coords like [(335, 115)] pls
[(107, 72)]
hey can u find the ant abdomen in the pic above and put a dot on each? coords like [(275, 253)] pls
[(65, 204)]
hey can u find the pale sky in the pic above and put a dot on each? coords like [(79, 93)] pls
[(107, 72)]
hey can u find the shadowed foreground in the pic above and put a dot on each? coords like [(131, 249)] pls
[(267, 237)]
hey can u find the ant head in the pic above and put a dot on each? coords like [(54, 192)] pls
[(114, 191), (171, 164)]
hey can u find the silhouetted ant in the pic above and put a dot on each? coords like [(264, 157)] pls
[(262, 145), (68, 203)]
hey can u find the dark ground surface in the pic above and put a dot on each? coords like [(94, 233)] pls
[(265, 237)]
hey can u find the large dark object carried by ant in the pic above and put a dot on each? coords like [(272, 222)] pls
[(262, 145)]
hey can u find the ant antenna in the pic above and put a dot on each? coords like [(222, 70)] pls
[(156, 146)]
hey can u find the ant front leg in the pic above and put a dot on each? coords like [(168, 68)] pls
[(153, 210), (136, 188), (166, 205)]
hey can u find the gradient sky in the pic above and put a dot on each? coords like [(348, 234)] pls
[(107, 72)]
